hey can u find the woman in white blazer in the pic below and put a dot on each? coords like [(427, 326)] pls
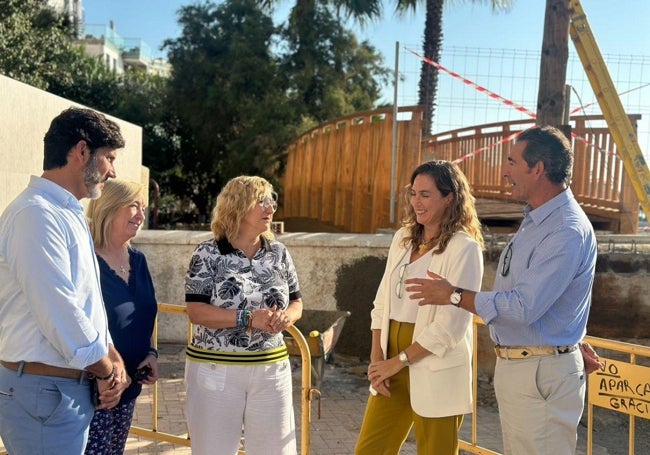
[(420, 362)]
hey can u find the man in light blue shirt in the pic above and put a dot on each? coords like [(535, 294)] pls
[(53, 327), (537, 311)]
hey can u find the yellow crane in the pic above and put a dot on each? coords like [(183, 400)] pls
[(623, 133)]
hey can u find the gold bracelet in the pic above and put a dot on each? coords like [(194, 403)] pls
[(249, 326)]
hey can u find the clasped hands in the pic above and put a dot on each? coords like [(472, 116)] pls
[(271, 320), (110, 391), (380, 372)]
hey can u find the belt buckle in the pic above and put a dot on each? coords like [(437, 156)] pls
[(502, 352), (563, 349)]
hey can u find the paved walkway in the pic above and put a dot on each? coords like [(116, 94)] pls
[(343, 398), (344, 392)]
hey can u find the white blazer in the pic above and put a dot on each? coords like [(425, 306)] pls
[(441, 383)]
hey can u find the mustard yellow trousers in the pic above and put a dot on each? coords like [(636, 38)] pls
[(388, 420)]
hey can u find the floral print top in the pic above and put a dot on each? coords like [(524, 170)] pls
[(223, 276)]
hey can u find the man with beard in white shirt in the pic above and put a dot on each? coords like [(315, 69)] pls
[(54, 335)]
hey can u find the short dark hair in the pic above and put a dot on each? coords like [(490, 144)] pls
[(550, 146), (78, 124)]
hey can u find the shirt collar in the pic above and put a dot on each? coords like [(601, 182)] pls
[(539, 214), (225, 247), (55, 191)]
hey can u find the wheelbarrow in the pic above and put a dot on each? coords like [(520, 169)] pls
[(321, 329)]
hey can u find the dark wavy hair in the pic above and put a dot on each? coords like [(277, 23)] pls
[(460, 215), (78, 124)]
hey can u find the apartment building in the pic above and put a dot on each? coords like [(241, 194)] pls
[(105, 43)]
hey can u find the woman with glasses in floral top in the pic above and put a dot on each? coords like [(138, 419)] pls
[(241, 291), (420, 362)]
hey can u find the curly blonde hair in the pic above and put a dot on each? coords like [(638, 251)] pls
[(234, 201), (116, 194), (460, 215)]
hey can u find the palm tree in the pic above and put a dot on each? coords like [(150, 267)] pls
[(432, 44), (303, 14)]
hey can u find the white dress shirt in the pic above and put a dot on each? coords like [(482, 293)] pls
[(51, 308)]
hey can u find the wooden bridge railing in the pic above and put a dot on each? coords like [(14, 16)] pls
[(340, 171), (599, 182)]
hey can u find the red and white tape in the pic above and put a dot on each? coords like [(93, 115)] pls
[(507, 102)]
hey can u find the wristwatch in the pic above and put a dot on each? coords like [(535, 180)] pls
[(403, 358), (456, 297)]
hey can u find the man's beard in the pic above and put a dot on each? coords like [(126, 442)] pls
[(93, 178)]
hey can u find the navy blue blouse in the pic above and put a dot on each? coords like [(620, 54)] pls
[(131, 311)]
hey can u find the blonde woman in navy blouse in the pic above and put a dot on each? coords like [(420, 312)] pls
[(241, 291), (130, 302)]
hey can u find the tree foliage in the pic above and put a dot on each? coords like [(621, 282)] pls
[(226, 89), (26, 28), (241, 89), (331, 73), (245, 87)]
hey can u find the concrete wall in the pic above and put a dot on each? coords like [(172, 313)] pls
[(25, 116), (342, 271), (319, 258)]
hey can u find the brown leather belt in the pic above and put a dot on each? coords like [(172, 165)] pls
[(524, 352), (42, 369)]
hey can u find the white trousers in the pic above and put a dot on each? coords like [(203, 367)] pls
[(541, 400), (223, 398)]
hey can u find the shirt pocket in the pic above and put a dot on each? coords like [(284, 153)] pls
[(211, 376)]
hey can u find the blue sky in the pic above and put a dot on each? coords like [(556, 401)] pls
[(616, 26), (619, 28)]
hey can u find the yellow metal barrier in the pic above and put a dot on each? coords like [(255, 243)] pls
[(307, 392), (633, 350), (472, 446)]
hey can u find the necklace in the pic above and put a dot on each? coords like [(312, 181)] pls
[(425, 246), (117, 262)]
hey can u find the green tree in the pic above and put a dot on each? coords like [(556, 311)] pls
[(331, 73), (59, 66), (25, 25), (227, 93)]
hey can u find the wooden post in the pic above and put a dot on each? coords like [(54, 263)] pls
[(553, 66)]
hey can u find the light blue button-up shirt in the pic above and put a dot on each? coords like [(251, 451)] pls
[(51, 307), (542, 292)]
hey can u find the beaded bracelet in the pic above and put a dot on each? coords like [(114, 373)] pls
[(108, 377), (153, 352), (244, 318)]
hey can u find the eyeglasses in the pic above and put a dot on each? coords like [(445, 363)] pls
[(505, 267), (269, 203), (399, 286)]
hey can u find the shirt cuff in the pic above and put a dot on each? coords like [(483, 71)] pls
[(485, 307)]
